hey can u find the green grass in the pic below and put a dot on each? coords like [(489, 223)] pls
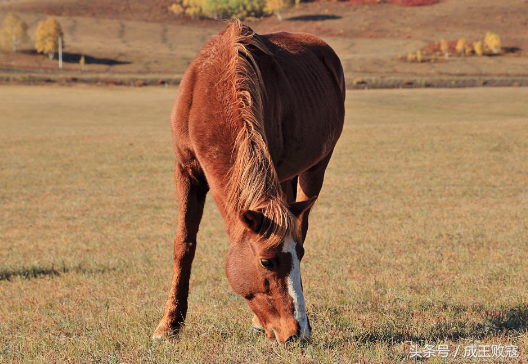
[(419, 233)]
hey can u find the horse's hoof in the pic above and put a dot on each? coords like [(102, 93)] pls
[(163, 336), (163, 333), (160, 336)]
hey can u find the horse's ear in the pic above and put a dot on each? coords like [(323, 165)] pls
[(252, 219), (297, 208)]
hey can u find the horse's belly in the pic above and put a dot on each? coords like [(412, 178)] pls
[(312, 149)]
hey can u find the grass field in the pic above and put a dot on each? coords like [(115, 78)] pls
[(420, 233)]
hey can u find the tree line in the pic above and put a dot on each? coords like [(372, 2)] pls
[(219, 9), (14, 32)]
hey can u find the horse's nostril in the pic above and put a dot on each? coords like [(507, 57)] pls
[(292, 339)]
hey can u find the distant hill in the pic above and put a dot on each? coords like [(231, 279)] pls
[(142, 10)]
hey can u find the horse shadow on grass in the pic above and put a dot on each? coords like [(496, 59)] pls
[(37, 271), (505, 322)]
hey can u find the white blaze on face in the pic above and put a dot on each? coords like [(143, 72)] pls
[(294, 287)]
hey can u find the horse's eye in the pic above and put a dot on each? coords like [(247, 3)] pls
[(266, 263)]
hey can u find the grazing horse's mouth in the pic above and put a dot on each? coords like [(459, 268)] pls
[(304, 337)]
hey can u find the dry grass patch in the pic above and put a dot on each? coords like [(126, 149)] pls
[(419, 234)]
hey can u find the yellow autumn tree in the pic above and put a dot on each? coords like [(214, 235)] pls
[(47, 37), (276, 7), (192, 8), (461, 45), (177, 9), (444, 46), (14, 32), (479, 48), (493, 42)]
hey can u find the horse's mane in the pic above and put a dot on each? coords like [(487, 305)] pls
[(252, 183)]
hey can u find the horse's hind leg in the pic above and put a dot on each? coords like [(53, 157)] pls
[(309, 185), (191, 198)]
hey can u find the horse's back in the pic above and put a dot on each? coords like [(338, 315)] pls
[(304, 103), (299, 51)]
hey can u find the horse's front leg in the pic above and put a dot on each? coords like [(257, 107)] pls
[(191, 198)]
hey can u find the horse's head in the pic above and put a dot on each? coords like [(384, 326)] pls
[(269, 278)]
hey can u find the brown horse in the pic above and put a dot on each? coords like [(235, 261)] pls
[(255, 121)]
